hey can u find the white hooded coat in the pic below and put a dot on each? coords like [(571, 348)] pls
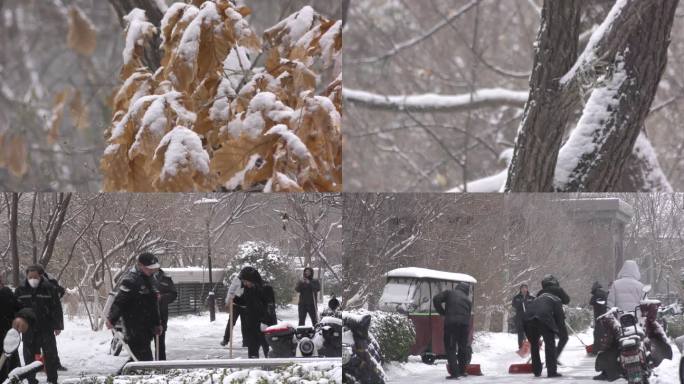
[(626, 292)]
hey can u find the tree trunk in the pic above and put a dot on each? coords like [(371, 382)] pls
[(56, 228), (622, 104), (152, 55), (546, 111), (14, 223)]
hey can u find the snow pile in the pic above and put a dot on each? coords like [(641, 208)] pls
[(182, 149), (586, 140), (137, 31)]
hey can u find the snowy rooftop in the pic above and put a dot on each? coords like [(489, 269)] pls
[(424, 273)]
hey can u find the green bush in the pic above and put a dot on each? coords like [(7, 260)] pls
[(675, 326), (271, 264), (395, 334), (579, 319)]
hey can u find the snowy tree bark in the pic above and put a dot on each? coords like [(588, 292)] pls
[(597, 151), (13, 212), (547, 110), (54, 227), (152, 56)]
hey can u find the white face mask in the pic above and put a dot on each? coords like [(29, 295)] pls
[(34, 283)]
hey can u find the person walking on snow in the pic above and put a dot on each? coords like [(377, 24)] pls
[(456, 306), (60, 294), (259, 299), (308, 288), (626, 291), (38, 294), (520, 303), (234, 295), (553, 287), (167, 295), (545, 319), (136, 302)]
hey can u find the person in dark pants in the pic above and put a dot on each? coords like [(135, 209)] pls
[(545, 318), (520, 302), (234, 294), (308, 288), (136, 302), (60, 294), (167, 295), (456, 306), (259, 299), (41, 296)]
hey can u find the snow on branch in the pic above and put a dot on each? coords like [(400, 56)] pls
[(494, 97), (605, 41)]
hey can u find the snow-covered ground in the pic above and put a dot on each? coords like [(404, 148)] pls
[(496, 351), (86, 353)]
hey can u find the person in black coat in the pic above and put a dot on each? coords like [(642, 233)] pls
[(599, 297), (38, 294), (259, 300), (456, 307), (12, 316), (520, 303), (167, 295), (545, 318), (60, 294), (136, 302), (308, 288)]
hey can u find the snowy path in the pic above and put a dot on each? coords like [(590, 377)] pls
[(86, 353), (493, 351)]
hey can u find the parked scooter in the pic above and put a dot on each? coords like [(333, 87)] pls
[(361, 360), (323, 340), (634, 347), (11, 344)]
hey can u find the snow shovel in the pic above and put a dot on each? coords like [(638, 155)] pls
[(587, 348), (524, 367), (230, 325), (156, 347), (471, 369)]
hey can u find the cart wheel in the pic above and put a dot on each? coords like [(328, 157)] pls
[(428, 358)]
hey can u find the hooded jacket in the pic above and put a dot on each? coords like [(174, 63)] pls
[(626, 291), (454, 305), (136, 302), (547, 308), (598, 294)]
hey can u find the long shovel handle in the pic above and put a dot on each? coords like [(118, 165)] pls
[(156, 347), (576, 335), (230, 324), (3, 358)]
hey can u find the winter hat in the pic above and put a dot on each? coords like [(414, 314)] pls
[(333, 303), (308, 269), (596, 286), (463, 287), (549, 281), (250, 274), (148, 260)]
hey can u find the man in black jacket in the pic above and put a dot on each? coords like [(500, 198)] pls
[(137, 303), (41, 296), (259, 299), (456, 306), (545, 318), (167, 295), (520, 303), (308, 288), (60, 294)]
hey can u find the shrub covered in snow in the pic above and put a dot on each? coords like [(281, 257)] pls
[(394, 333), (273, 266), (579, 318), (310, 373), (675, 326)]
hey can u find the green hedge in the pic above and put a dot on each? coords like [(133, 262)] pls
[(675, 326), (395, 334), (579, 318)]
